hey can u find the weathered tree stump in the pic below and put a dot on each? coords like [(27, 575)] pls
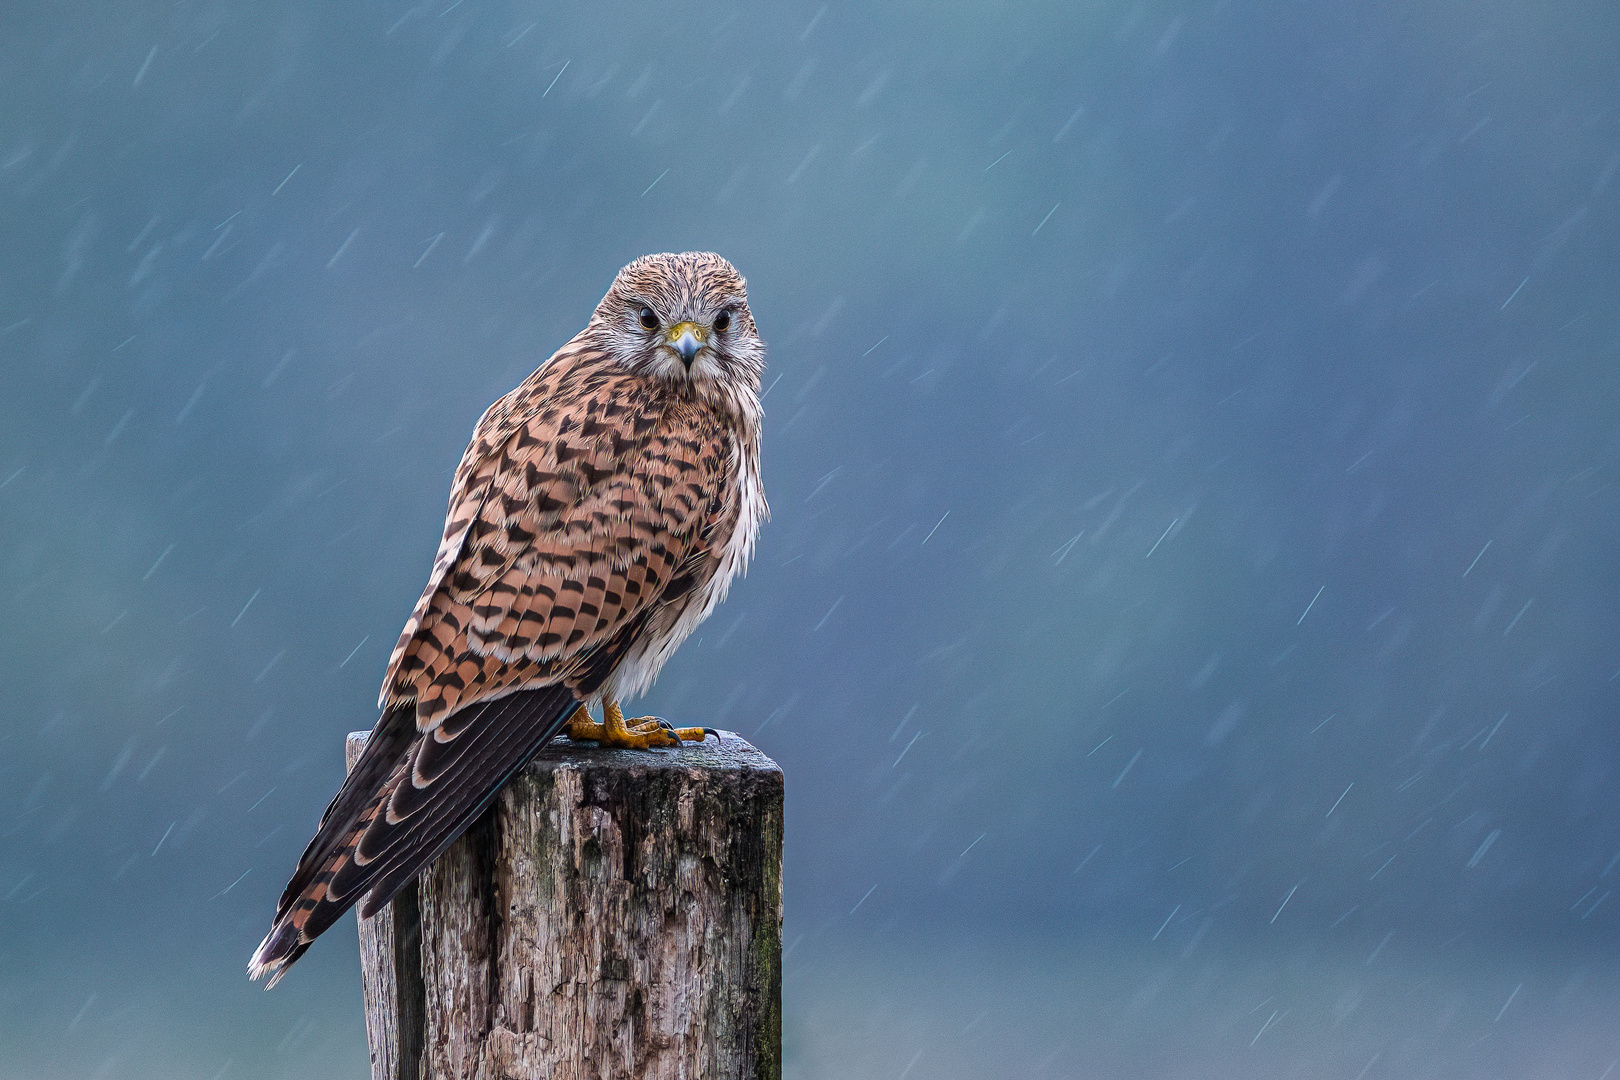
[(614, 914)]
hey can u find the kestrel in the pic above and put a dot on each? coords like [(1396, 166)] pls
[(598, 516)]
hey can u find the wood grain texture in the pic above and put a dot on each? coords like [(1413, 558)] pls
[(615, 914), (391, 976)]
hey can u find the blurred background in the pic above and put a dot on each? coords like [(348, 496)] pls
[(1189, 617)]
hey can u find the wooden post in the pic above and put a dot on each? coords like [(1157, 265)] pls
[(616, 913)]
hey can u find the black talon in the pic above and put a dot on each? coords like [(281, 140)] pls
[(710, 731)]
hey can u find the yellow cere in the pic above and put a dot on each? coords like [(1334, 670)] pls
[(701, 333)]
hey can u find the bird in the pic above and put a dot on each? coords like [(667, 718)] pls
[(599, 514)]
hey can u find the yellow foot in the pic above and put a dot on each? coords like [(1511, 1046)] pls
[(641, 733)]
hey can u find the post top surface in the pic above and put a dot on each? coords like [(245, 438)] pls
[(726, 753)]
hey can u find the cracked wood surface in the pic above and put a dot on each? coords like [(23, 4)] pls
[(614, 914)]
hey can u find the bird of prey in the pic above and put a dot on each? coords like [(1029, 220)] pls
[(599, 514)]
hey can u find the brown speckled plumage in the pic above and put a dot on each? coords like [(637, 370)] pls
[(598, 515)]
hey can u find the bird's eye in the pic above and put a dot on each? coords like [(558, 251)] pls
[(648, 319), (722, 321)]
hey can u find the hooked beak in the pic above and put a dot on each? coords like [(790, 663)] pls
[(686, 339)]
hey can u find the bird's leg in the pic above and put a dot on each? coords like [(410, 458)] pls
[(642, 733), (581, 727), (650, 724)]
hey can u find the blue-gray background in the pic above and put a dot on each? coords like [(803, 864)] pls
[(1188, 621)]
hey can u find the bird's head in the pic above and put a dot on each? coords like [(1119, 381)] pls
[(684, 319)]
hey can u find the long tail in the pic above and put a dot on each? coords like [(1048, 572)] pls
[(407, 799)]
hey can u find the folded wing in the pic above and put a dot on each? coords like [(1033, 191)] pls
[(584, 505)]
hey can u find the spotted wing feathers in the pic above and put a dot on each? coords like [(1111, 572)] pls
[(585, 510), (585, 490)]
